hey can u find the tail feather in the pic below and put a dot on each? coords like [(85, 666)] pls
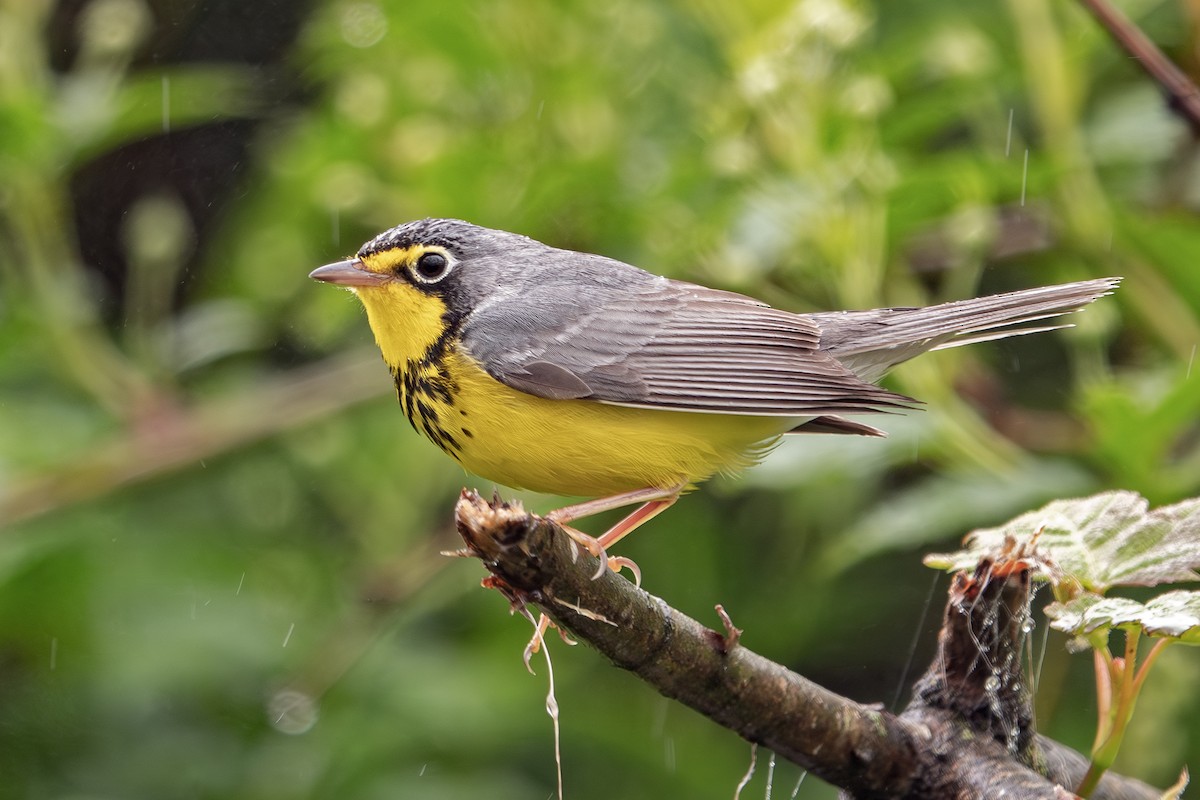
[(1004, 334), (872, 342)]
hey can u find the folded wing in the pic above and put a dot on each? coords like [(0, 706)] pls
[(671, 345)]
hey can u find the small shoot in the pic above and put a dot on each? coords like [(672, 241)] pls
[(1091, 618)]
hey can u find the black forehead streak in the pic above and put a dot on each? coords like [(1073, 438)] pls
[(438, 232)]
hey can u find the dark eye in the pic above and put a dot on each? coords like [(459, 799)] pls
[(432, 267)]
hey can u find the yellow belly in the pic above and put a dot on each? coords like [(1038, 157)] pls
[(586, 448)]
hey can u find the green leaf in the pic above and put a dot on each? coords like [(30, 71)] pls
[(1106, 540), (1141, 424), (1174, 615)]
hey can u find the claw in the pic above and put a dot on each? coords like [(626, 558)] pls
[(596, 548), (592, 545), (617, 563), (656, 500), (536, 642)]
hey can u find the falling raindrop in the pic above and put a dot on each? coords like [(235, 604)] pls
[(166, 103), (659, 725), (1008, 139), (1024, 177)]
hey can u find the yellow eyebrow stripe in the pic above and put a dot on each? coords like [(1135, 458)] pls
[(388, 260)]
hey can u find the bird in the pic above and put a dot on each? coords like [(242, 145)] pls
[(574, 374)]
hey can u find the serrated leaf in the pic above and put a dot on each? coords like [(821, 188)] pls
[(1106, 540), (1174, 615)]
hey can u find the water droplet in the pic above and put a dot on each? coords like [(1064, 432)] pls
[(363, 24), (292, 712)]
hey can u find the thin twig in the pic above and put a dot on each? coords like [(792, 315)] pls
[(186, 436), (1183, 94)]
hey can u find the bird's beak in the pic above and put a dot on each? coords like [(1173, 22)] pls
[(347, 273)]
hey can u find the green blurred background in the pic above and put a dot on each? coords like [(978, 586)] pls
[(219, 569)]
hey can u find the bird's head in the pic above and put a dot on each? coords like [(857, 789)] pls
[(419, 280)]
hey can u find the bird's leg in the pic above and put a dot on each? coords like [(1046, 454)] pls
[(601, 504), (655, 500)]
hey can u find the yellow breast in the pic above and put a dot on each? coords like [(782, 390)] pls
[(582, 447)]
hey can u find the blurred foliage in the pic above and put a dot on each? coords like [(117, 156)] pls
[(218, 562)]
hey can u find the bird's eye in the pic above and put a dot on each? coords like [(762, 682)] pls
[(431, 267)]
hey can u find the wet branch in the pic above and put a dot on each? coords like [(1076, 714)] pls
[(968, 733)]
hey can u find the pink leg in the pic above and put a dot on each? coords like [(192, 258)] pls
[(632, 522), (654, 500), (591, 507)]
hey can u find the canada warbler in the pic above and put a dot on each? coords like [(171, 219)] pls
[(575, 374)]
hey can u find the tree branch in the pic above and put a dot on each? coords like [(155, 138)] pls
[(841, 741), (934, 749), (1183, 95)]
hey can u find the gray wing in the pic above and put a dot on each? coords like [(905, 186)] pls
[(659, 343)]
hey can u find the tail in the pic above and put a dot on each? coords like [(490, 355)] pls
[(872, 342)]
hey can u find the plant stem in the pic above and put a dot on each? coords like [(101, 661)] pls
[(1103, 662), (1117, 720), (1144, 669)]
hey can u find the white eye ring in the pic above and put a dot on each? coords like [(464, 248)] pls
[(431, 266)]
